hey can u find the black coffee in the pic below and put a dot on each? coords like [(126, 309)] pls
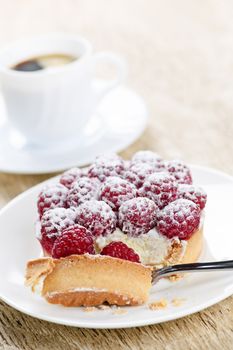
[(43, 62)]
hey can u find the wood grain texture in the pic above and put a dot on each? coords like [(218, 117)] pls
[(180, 57)]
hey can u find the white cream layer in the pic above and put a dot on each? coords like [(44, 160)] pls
[(151, 247)]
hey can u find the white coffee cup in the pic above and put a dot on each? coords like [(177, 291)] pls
[(55, 104)]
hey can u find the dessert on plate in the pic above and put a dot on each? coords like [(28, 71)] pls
[(104, 228)]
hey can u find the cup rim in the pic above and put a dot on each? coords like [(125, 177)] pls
[(55, 70)]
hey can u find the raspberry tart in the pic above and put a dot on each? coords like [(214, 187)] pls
[(103, 229)]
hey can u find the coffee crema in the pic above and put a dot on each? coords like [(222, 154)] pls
[(43, 62)]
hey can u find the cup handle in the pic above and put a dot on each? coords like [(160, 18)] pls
[(121, 74)]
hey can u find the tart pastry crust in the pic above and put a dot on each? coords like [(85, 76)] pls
[(86, 280), (91, 280)]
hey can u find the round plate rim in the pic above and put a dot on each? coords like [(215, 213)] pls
[(120, 324)]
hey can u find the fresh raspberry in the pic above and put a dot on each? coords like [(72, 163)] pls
[(107, 165), (180, 171), (115, 191), (137, 216), (138, 172), (193, 193), (52, 196), (149, 157), (53, 222), (82, 190), (180, 218), (121, 251), (70, 176), (160, 188), (96, 216), (73, 240)]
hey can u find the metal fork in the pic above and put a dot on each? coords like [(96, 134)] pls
[(194, 267)]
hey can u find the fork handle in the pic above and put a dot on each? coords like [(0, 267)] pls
[(195, 267)]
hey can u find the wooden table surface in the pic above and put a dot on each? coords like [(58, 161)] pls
[(180, 56)]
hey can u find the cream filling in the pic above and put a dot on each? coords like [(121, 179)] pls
[(151, 247)]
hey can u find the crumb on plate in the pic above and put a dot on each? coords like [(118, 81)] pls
[(177, 301), (89, 309), (175, 278), (103, 307), (119, 311), (158, 304)]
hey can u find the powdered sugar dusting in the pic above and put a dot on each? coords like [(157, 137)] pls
[(179, 204), (115, 182), (54, 191), (180, 171), (138, 172), (106, 165), (52, 224), (180, 218), (96, 216), (51, 196), (149, 157), (69, 176), (161, 188), (55, 220), (82, 190), (193, 193), (146, 156), (137, 216), (115, 191)]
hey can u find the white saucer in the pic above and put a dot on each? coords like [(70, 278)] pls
[(119, 120), (198, 291)]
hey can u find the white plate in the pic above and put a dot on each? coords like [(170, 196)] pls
[(119, 120), (200, 290)]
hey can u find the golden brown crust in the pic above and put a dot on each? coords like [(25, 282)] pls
[(88, 298), (175, 253), (37, 269), (90, 281), (192, 252), (193, 248), (178, 254)]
